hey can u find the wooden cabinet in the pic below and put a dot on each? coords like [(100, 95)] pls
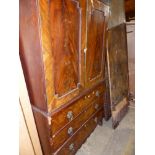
[(62, 50)]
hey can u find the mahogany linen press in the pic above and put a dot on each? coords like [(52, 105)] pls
[(63, 53)]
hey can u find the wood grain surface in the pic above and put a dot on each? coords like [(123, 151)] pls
[(60, 119), (63, 135), (75, 142)]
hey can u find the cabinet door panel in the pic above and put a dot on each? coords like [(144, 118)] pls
[(63, 40), (66, 42), (95, 44), (95, 55)]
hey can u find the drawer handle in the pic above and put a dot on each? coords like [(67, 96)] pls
[(97, 93), (70, 131), (96, 106), (95, 119), (71, 147), (70, 115)]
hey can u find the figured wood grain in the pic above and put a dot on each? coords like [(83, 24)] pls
[(66, 44), (95, 49), (30, 52), (55, 53), (59, 119), (63, 37), (81, 135), (62, 136), (47, 56), (95, 56)]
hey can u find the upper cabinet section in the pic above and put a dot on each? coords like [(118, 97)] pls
[(95, 54), (64, 49)]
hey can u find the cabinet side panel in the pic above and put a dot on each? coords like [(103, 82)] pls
[(30, 53), (43, 128)]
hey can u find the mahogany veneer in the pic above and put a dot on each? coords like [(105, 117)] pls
[(62, 50)]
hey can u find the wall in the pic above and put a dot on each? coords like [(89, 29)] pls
[(29, 143), (131, 55)]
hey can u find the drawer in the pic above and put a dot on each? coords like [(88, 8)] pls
[(74, 143), (68, 114), (71, 128)]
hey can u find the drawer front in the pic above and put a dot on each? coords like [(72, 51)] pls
[(71, 128), (75, 142), (66, 115)]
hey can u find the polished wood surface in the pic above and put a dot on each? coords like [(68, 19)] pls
[(60, 118), (75, 142), (95, 54), (59, 138), (62, 49), (130, 9), (43, 128), (63, 31), (66, 47), (31, 53)]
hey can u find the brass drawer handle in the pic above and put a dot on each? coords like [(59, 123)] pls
[(70, 131), (88, 96), (70, 115), (71, 147), (97, 93), (95, 119), (96, 106)]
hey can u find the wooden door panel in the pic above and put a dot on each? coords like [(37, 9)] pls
[(65, 21), (95, 42), (63, 38)]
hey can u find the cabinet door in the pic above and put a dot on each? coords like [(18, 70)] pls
[(66, 26), (95, 54)]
